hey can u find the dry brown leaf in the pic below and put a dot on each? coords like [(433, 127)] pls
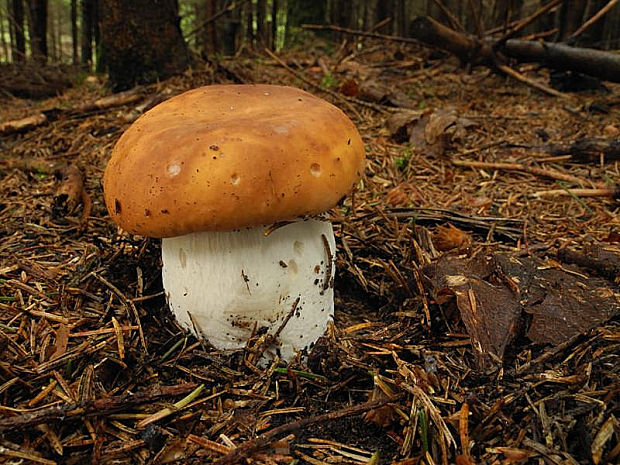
[(450, 237), (62, 340), (350, 88)]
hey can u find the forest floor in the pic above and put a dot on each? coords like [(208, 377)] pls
[(464, 331)]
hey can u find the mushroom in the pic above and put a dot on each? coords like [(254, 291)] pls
[(233, 178)]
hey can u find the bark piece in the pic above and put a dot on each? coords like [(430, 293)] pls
[(603, 261), (490, 312), (495, 292), (589, 149), (562, 303), (71, 193)]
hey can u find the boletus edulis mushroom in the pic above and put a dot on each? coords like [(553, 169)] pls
[(234, 178)]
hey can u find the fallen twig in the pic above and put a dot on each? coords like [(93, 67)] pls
[(602, 12), (530, 82), (524, 168), (91, 408), (526, 21), (247, 448), (603, 192)]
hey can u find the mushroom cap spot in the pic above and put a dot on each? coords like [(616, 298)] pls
[(144, 171)]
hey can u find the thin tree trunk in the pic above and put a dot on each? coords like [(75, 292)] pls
[(570, 17), (100, 67), (18, 40), (51, 29), (37, 16), (274, 24), (74, 32), (3, 42), (209, 42), (249, 36), (261, 26), (59, 27), (87, 33)]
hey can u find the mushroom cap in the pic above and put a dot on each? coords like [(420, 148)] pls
[(225, 157)]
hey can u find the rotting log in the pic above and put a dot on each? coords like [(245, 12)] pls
[(597, 63)]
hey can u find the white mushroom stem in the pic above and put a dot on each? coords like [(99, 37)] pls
[(228, 281)]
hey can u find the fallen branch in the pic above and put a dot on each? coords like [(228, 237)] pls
[(526, 22), (249, 447), (608, 192), (530, 82), (602, 12), (97, 407), (524, 168), (53, 114), (597, 63), (23, 124)]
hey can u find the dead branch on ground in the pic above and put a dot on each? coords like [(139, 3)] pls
[(97, 407), (526, 169), (53, 114)]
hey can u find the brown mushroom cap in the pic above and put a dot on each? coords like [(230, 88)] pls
[(225, 157)]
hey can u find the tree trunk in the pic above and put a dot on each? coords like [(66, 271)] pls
[(101, 66), (87, 33), (74, 32), (209, 42), (610, 37), (261, 24), (141, 41), (18, 40), (52, 32), (59, 27), (570, 17), (604, 65), (400, 18), (5, 45), (37, 22), (274, 25), (249, 26), (300, 12)]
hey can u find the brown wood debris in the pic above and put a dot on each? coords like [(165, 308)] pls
[(494, 292)]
